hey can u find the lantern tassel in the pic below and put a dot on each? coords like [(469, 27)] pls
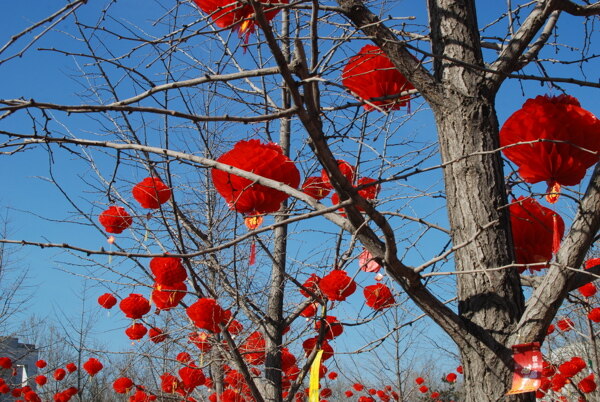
[(252, 258), (555, 234)]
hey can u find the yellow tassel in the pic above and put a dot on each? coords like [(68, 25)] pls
[(313, 393)]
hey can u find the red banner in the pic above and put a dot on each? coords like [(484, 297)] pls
[(527, 376)]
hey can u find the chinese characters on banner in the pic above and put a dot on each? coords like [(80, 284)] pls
[(527, 376)]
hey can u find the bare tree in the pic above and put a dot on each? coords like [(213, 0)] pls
[(167, 98)]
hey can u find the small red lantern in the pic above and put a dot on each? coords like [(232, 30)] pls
[(136, 331), (71, 367), (312, 284), (41, 380), (191, 377), (536, 232), (134, 306), (309, 344), (265, 160), (151, 193), (587, 384), (253, 350), (316, 188), (5, 362), (165, 297), (41, 364), (371, 74), (337, 285), (115, 219), (378, 296), (368, 192), (587, 290), (92, 366), (122, 385), (346, 169), (107, 301), (238, 16), (157, 335), (59, 374), (572, 143), (201, 340), (333, 327), (168, 270), (206, 314)]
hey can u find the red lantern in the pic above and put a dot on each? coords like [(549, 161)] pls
[(370, 74), (587, 385), (316, 188), (312, 284), (565, 325), (594, 314), (346, 169), (265, 160), (536, 232), (253, 350), (191, 377), (559, 118), (332, 326), (587, 290), (157, 335), (41, 380), (134, 306), (107, 301), (337, 285), (206, 314), (238, 16), (41, 364), (71, 367), (201, 340), (369, 192), (92, 366), (165, 297), (168, 270), (59, 374), (367, 263), (378, 296), (136, 331), (151, 193), (122, 385), (115, 219), (309, 344)]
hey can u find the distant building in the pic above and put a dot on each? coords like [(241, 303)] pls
[(23, 356)]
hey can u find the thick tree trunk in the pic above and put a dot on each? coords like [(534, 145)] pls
[(490, 301)]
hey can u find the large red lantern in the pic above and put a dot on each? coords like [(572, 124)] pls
[(115, 219), (370, 74), (378, 296), (265, 160), (191, 377), (570, 141), (151, 193), (92, 366), (238, 16), (206, 314), (135, 306), (165, 297), (168, 270), (536, 232), (136, 331)]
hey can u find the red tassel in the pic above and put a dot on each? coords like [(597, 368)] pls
[(252, 258), (555, 234), (553, 192)]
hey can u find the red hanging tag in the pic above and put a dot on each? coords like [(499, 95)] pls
[(555, 234), (527, 374), (252, 258)]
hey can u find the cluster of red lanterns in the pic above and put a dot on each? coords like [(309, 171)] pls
[(169, 287), (371, 74), (555, 378)]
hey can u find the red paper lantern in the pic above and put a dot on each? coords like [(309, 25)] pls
[(559, 118), (41, 380), (346, 169), (41, 364), (309, 344), (168, 270), (206, 314), (191, 377), (378, 296), (107, 301), (565, 325), (151, 193), (587, 384), (201, 340), (536, 232), (369, 192), (594, 314), (253, 350), (310, 310), (122, 385), (5, 362), (136, 331), (238, 16), (371, 74), (92, 366), (451, 377), (71, 367), (59, 374), (337, 285), (115, 219), (332, 327), (312, 284), (316, 188), (265, 160), (587, 290), (165, 297), (419, 380), (157, 335), (134, 306)]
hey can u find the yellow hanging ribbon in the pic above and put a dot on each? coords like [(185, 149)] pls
[(313, 390)]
